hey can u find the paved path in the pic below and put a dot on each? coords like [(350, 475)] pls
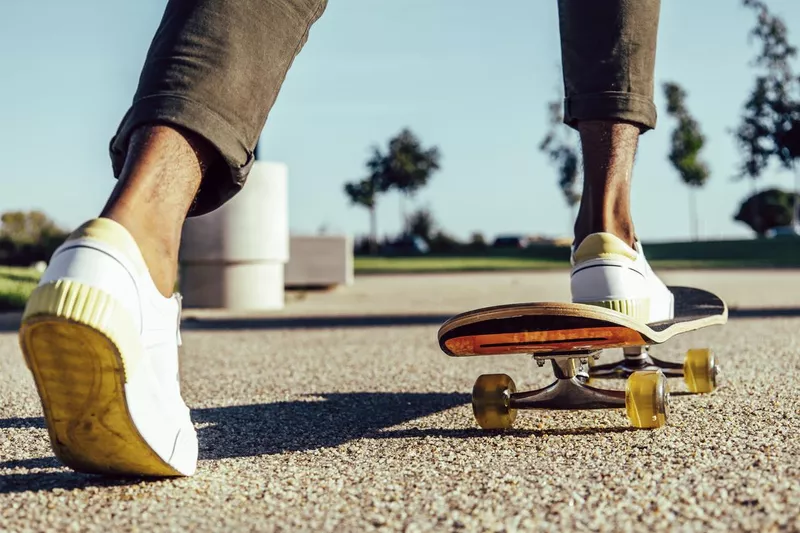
[(340, 413)]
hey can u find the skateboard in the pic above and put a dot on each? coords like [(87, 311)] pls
[(572, 337)]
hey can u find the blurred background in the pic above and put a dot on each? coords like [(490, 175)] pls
[(470, 84)]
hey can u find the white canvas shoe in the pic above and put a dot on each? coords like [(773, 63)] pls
[(102, 344), (609, 273)]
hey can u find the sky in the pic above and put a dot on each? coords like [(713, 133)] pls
[(467, 76)]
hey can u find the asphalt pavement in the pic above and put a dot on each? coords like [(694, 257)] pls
[(340, 413)]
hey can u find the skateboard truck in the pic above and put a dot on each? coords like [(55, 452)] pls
[(699, 369), (495, 400), (568, 391)]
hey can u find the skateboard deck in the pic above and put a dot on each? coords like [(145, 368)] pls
[(567, 327), (573, 335)]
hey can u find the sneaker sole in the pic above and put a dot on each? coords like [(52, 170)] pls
[(637, 309), (78, 344)]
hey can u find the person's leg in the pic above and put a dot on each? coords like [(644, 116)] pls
[(101, 331), (608, 54), (212, 74), (158, 183), (608, 152)]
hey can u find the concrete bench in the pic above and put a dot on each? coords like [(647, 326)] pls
[(319, 261)]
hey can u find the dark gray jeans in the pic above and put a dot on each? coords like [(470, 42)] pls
[(215, 68)]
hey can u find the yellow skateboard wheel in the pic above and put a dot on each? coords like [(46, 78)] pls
[(491, 396), (647, 399), (700, 370)]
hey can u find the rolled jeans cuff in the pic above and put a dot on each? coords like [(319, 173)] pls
[(225, 178), (624, 106)]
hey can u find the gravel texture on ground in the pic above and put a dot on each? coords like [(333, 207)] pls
[(340, 413)]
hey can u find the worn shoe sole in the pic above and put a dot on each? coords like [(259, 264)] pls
[(637, 309), (79, 344)]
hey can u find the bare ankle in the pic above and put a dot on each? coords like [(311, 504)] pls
[(159, 250), (161, 176), (622, 231), (609, 148)]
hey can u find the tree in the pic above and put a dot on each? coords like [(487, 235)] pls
[(687, 141), (365, 193), (563, 153), (405, 166), (770, 127), (408, 166), (770, 208)]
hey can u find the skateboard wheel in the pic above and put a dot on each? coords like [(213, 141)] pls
[(700, 370), (647, 399), (491, 396)]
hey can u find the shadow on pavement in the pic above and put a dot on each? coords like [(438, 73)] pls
[(22, 423), (336, 418), (39, 462), (314, 322), (764, 312), (9, 321), (65, 480), (320, 421), (323, 421)]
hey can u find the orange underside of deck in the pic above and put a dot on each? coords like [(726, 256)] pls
[(559, 340)]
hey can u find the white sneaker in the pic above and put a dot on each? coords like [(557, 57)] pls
[(609, 273), (102, 344)]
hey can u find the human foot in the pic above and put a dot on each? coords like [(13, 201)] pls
[(102, 344), (609, 273)]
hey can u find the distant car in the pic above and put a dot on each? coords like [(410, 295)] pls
[(783, 232), (510, 241)]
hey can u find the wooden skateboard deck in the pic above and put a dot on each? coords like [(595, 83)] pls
[(557, 327)]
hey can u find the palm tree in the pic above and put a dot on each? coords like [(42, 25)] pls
[(406, 166), (365, 193)]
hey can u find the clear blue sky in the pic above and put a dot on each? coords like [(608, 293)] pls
[(470, 76)]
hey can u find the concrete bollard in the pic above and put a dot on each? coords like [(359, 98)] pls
[(234, 257)]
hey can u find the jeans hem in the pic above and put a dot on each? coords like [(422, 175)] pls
[(222, 181), (609, 106)]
